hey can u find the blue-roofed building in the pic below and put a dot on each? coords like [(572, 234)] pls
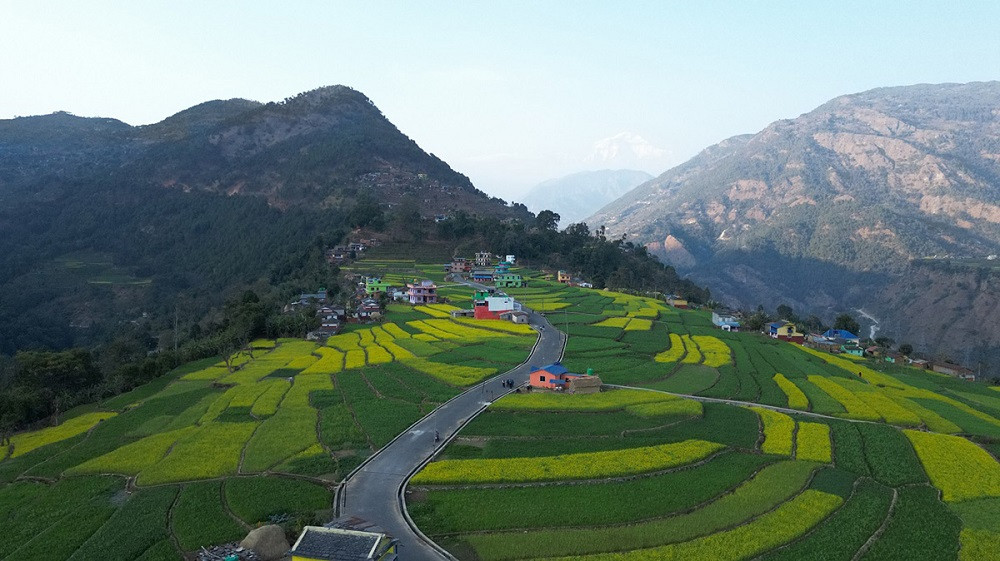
[(557, 377), (845, 335)]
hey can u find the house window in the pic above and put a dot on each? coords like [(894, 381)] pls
[(541, 378)]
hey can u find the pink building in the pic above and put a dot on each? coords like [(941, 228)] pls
[(424, 292)]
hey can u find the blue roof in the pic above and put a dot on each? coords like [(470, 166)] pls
[(554, 368), (840, 333)]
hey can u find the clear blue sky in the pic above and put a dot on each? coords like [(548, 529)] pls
[(510, 93)]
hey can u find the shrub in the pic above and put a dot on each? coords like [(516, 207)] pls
[(570, 466)]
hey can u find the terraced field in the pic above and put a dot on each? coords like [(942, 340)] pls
[(203, 454), (711, 445), (862, 461)]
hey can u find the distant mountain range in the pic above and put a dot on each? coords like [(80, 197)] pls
[(864, 202), (579, 195)]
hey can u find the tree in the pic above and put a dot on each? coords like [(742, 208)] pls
[(547, 220), (786, 313), (885, 342), (847, 323), (906, 349)]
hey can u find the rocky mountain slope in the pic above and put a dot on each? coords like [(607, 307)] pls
[(577, 196), (827, 210)]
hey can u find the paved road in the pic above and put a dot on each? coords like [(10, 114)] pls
[(374, 493)]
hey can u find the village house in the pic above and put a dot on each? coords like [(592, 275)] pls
[(501, 268), (490, 305), (852, 349), (563, 277), (458, 265), (423, 292), (368, 310), (334, 544), (726, 320), (515, 317), (833, 334), (677, 302), (375, 285), (484, 259), (953, 370), (510, 260), (557, 377), (482, 275), (508, 280), (357, 247), (786, 331), (920, 363)]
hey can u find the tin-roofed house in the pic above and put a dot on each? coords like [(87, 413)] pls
[(334, 544), (557, 377)]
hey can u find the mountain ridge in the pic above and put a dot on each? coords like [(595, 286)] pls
[(859, 187), (576, 196)]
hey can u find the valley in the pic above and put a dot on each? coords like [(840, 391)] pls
[(703, 443)]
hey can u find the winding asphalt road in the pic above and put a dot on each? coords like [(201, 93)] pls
[(374, 492)]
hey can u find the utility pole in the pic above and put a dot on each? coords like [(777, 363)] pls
[(175, 327)]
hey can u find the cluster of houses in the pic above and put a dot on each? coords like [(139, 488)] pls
[(366, 304), (565, 278), (341, 253), (483, 270), (837, 341), (494, 304)]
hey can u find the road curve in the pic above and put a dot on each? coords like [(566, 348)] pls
[(374, 492)]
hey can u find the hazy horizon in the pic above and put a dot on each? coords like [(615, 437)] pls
[(509, 95)]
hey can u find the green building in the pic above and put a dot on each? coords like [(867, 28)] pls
[(509, 280), (374, 285)]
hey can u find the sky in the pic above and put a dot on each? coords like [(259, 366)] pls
[(509, 93)]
